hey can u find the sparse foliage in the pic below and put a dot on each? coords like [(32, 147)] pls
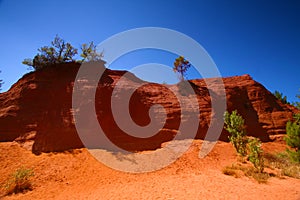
[(181, 65), (234, 124), (62, 52), (59, 52), (293, 138), (256, 154), (280, 96), (89, 53), (19, 181)]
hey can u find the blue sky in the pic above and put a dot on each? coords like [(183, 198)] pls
[(260, 38)]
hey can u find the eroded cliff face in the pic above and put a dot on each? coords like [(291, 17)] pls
[(38, 109)]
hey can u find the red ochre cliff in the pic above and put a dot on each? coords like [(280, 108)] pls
[(37, 110)]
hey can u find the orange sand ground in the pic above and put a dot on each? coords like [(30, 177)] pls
[(78, 175)]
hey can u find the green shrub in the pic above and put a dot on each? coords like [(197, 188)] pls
[(59, 52), (256, 154), (19, 181), (293, 138), (62, 52), (280, 97), (234, 124)]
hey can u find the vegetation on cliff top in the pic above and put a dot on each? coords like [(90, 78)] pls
[(61, 51)]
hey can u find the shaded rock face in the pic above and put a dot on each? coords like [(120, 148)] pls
[(38, 109)]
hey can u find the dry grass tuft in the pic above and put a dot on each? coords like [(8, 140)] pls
[(19, 181), (260, 177), (230, 171), (238, 170), (282, 162)]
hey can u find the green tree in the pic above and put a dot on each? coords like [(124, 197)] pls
[(89, 53), (280, 96), (256, 154), (181, 65), (234, 124), (292, 138), (59, 52)]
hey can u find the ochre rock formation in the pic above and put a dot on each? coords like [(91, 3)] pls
[(38, 109)]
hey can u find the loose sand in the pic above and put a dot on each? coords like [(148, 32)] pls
[(78, 175)]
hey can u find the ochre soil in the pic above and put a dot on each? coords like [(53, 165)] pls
[(78, 175)]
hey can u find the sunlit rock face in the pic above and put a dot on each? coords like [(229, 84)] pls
[(38, 109)]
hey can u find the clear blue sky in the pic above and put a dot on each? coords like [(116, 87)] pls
[(260, 38)]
